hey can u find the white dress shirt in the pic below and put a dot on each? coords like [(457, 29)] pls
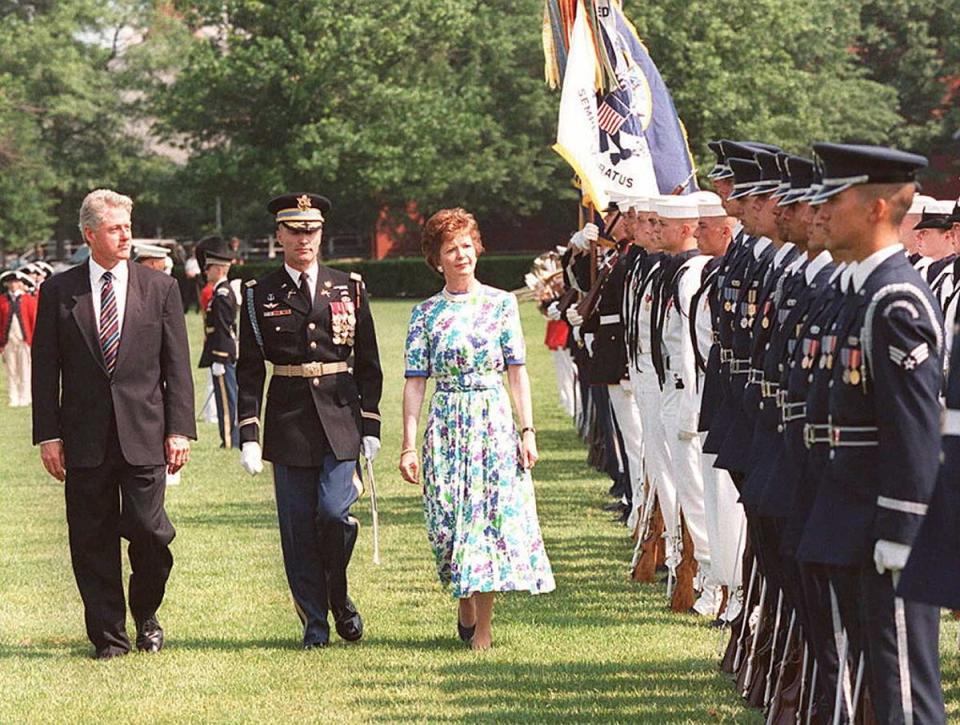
[(866, 266), (311, 273), (121, 276)]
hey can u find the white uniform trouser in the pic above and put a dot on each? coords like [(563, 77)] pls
[(686, 457), (656, 454), (631, 429), (566, 380), (726, 524), (209, 412), (16, 357)]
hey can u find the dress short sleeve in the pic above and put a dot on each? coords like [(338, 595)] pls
[(511, 334), (417, 350)]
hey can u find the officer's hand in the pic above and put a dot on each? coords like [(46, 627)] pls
[(574, 317), (177, 451), (251, 457), (51, 455), (371, 447), (890, 556), (581, 240), (218, 369), (410, 466), (553, 310)]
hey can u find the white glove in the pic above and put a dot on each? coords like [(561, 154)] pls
[(370, 447), (588, 342), (582, 239), (217, 370), (251, 457), (890, 556), (553, 310), (574, 317)]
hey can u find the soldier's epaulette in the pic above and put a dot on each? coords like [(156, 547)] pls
[(355, 276), (224, 292), (250, 283)]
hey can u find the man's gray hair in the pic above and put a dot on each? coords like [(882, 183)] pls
[(98, 201)]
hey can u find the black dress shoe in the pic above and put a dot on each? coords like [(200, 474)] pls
[(348, 622), (149, 635), (108, 653), (466, 633)]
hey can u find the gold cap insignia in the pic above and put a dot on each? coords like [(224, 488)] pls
[(303, 202)]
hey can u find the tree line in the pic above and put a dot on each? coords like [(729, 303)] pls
[(188, 106)]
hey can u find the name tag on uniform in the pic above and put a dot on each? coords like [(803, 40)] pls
[(277, 313)]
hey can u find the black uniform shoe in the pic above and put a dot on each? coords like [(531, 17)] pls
[(149, 635), (348, 622), (108, 653)]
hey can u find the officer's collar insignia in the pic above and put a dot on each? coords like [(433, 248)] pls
[(303, 203), (291, 292)]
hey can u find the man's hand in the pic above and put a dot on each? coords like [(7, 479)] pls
[(553, 310), (371, 447), (582, 239), (890, 556), (217, 369), (574, 317), (178, 452), (251, 457), (51, 455)]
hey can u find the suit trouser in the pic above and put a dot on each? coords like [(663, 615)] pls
[(901, 641), (105, 503), (225, 396), (631, 432), (16, 355), (317, 536)]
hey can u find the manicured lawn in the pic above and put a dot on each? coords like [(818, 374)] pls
[(597, 649)]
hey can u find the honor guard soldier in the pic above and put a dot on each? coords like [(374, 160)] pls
[(18, 316), (883, 427), (220, 336), (313, 324)]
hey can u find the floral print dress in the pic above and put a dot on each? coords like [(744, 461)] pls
[(479, 503)]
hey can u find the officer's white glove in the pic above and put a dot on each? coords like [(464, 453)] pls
[(890, 556), (582, 239), (553, 310), (218, 369), (371, 447), (574, 317), (588, 342), (251, 457)]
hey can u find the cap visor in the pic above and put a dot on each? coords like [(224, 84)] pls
[(825, 192)]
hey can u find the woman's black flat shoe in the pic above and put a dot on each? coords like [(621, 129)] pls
[(466, 633)]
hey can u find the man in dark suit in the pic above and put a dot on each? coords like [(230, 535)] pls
[(313, 324), (114, 408)]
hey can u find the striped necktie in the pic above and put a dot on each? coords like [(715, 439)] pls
[(109, 323)]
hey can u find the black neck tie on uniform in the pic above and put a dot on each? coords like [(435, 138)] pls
[(305, 288)]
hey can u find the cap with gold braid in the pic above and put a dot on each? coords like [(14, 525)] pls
[(301, 211)]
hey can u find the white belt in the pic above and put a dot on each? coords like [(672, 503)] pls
[(951, 422), (609, 319)]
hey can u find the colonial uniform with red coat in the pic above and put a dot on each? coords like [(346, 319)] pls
[(18, 316)]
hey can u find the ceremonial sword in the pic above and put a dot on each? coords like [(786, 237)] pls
[(375, 514)]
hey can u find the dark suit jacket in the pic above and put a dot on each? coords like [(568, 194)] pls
[(151, 393)]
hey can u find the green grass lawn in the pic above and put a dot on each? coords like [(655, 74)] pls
[(597, 649)]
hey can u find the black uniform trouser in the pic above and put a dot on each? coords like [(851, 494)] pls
[(317, 536), (901, 641), (105, 503), (819, 633)]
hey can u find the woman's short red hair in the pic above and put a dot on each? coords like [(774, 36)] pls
[(445, 225)]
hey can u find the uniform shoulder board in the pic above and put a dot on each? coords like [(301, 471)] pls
[(250, 283), (355, 276), (224, 291)]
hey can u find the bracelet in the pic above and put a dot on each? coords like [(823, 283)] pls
[(528, 428), (405, 451)]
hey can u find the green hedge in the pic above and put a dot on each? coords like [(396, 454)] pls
[(410, 277)]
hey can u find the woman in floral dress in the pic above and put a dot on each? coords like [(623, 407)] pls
[(478, 496)]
